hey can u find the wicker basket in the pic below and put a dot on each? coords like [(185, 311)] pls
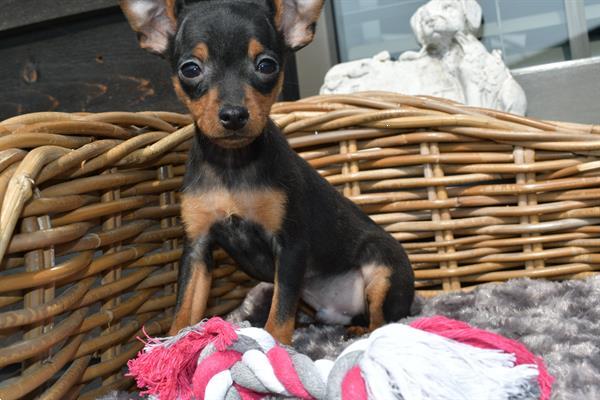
[(90, 237)]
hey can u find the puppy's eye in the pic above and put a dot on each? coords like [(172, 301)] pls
[(190, 70), (267, 66)]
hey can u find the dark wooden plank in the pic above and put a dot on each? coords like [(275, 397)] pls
[(18, 13), (92, 64)]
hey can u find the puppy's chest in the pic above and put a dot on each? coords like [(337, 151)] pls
[(202, 208)]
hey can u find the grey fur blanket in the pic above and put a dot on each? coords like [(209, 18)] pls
[(559, 321)]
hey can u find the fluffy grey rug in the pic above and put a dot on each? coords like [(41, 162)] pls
[(559, 321)]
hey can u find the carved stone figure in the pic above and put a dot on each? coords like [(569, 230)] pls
[(451, 64)]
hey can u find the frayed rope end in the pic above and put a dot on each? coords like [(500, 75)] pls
[(165, 367)]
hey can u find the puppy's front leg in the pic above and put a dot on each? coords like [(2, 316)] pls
[(289, 274), (193, 284)]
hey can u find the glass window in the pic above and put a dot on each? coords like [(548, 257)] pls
[(528, 32), (367, 27), (592, 17)]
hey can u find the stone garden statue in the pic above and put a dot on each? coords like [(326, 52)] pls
[(451, 64)]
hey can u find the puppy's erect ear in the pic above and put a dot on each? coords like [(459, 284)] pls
[(153, 20), (297, 19)]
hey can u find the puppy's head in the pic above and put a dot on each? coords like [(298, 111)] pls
[(227, 56)]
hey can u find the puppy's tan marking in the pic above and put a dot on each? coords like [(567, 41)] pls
[(206, 113), (195, 298), (181, 95), (254, 48), (259, 106), (357, 331), (200, 211), (278, 13), (170, 8), (282, 331), (201, 51), (377, 285), (204, 110)]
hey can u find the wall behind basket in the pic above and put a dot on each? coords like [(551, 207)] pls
[(80, 55)]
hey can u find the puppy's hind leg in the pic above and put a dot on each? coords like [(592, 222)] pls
[(377, 288), (389, 286)]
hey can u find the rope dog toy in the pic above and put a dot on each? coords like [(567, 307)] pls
[(433, 358)]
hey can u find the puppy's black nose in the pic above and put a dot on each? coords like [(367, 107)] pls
[(233, 117)]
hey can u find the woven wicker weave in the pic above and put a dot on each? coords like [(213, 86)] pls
[(90, 238)]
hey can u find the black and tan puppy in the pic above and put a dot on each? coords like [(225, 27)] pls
[(245, 189)]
